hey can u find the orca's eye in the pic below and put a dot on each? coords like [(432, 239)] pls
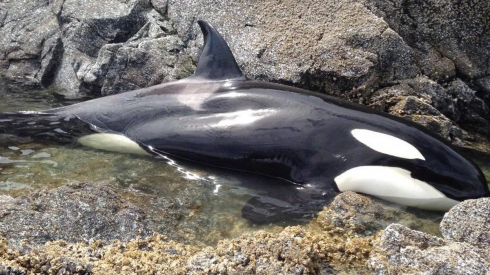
[(387, 144)]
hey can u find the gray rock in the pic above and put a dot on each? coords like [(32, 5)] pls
[(88, 26), (73, 213), (150, 57), (426, 102), (483, 85), (86, 47), (455, 30), (468, 222), (8, 270), (471, 107), (428, 91), (366, 216), (331, 47), (30, 42), (401, 250)]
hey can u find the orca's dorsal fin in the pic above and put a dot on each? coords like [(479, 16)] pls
[(216, 61)]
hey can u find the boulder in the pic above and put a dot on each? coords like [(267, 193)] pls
[(30, 43), (86, 47), (74, 213), (332, 47), (401, 250), (468, 222), (366, 216), (455, 31), (150, 57)]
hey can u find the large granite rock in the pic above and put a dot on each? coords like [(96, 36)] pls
[(30, 42), (455, 31), (334, 47), (87, 47), (469, 222), (401, 250)]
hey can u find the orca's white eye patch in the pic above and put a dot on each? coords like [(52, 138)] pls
[(387, 144)]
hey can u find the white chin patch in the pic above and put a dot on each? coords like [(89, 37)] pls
[(394, 185), (112, 142), (387, 144)]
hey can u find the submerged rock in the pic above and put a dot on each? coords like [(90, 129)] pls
[(401, 250), (366, 216), (73, 213), (468, 222)]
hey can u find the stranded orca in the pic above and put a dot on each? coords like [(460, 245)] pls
[(314, 142)]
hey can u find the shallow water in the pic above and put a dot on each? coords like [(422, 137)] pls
[(193, 204)]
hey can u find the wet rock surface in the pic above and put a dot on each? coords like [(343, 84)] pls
[(348, 236), (295, 250), (366, 216), (469, 222), (401, 250), (72, 213), (103, 211), (340, 239), (436, 54)]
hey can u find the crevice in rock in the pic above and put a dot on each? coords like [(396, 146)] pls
[(163, 11), (53, 65)]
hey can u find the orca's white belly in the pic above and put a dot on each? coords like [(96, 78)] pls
[(112, 143)]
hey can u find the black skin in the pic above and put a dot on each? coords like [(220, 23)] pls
[(298, 135), (284, 132)]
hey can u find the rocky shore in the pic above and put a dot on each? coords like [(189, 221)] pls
[(348, 236), (424, 61)]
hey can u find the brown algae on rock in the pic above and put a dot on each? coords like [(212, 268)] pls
[(339, 240), (296, 250)]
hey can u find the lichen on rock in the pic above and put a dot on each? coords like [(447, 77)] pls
[(296, 250), (72, 213), (401, 250), (468, 222), (367, 216), (312, 248)]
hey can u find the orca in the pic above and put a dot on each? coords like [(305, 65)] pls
[(314, 143)]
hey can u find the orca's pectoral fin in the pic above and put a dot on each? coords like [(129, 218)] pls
[(260, 211), (216, 61), (288, 203)]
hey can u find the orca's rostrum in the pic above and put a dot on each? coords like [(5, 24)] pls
[(218, 117)]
